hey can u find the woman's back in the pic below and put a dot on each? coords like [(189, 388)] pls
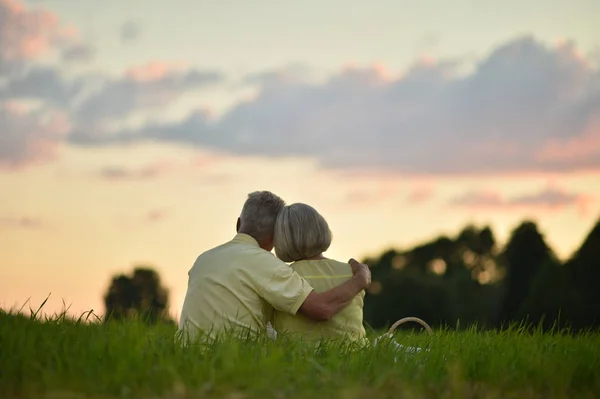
[(322, 275)]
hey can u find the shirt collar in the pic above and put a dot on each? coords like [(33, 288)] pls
[(246, 238)]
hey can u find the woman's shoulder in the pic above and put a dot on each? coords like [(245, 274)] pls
[(322, 263), (340, 264)]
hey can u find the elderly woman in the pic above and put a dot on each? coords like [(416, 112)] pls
[(301, 236)]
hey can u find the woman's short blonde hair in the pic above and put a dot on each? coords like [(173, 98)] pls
[(300, 233)]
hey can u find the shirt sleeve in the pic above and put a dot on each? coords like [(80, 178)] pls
[(285, 290)]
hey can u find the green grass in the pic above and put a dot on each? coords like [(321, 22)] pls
[(60, 358)]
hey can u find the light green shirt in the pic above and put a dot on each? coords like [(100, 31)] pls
[(238, 285), (324, 275)]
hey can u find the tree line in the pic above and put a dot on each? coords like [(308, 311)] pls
[(470, 280)]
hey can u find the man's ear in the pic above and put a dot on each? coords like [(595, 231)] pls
[(237, 225)]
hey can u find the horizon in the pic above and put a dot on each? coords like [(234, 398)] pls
[(133, 138), (94, 315)]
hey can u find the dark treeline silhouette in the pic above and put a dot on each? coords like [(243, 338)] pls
[(140, 295), (469, 279), (454, 282)]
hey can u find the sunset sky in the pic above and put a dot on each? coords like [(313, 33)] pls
[(132, 131)]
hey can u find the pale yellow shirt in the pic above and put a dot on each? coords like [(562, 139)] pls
[(238, 285), (323, 275)]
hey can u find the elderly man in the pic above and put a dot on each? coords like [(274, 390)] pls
[(237, 285)]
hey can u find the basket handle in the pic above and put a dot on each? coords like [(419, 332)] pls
[(409, 319)]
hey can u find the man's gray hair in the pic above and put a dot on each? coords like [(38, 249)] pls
[(300, 233), (259, 214)]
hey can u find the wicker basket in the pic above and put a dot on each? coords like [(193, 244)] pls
[(409, 319)]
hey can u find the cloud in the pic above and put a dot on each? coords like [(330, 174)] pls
[(479, 199), (371, 195), (129, 31), (27, 137), (179, 132), (217, 179), (295, 73), (513, 113), (23, 222), (549, 198), (156, 215), (525, 107), (117, 173), (38, 102), (80, 52), (32, 134), (41, 83), (420, 195), (26, 34), (151, 86)]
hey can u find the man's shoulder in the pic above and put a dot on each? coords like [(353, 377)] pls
[(214, 250), (242, 253), (260, 258)]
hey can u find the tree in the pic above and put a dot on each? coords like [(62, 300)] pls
[(584, 268), (438, 281), (139, 295), (524, 256)]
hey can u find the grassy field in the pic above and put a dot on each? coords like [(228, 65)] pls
[(59, 358)]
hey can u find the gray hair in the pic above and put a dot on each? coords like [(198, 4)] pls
[(259, 214), (300, 233)]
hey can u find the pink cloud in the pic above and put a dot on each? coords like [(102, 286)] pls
[(217, 179), (24, 222), (156, 215), (420, 195), (550, 198), (204, 162), (154, 70), (364, 196), (478, 199), (207, 160), (573, 150), (118, 173), (28, 138), (29, 33)]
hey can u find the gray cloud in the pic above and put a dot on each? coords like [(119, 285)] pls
[(136, 91), (180, 132), (78, 53), (514, 112), (151, 86), (41, 83), (525, 107)]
